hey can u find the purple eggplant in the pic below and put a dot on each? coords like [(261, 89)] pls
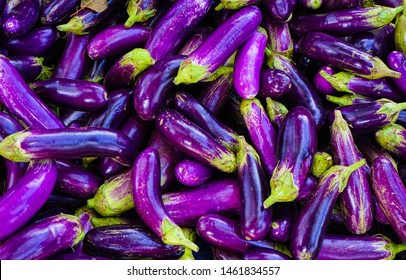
[(127, 242), (276, 111), (345, 22), (280, 10), (337, 53), (221, 195), (333, 5), (371, 149), (21, 18), (146, 194), (194, 141), (193, 173), (116, 40), (248, 64), (43, 239), (22, 102), (322, 161), (219, 46), (74, 94), (174, 27), (356, 199), (255, 220), (126, 69), (309, 185), (397, 61), (140, 11), (347, 247), (321, 84), (73, 61), (297, 142), (392, 139), (234, 4), (86, 19), (154, 85), (283, 216), (220, 253), (194, 41), (80, 118), (311, 224), (274, 83), (279, 37), (58, 11), (31, 68), (261, 131), (265, 254), (68, 143), (191, 108), (26, 197)]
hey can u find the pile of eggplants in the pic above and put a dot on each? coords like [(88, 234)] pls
[(203, 129)]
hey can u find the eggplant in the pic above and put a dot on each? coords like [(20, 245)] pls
[(21, 18), (322, 161), (193, 173), (337, 53), (116, 40), (31, 68), (332, 5), (43, 239), (234, 4), (389, 3), (174, 27), (392, 139), (309, 185), (194, 41), (265, 254), (397, 61), (147, 197), (349, 99), (356, 200), (255, 220), (220, 253), (68, 143), (194, 141), (79, 118), (248, 64), (371, 149), (109, 221), (127, 242), (220, 195), (279, 37), (140, 11), (311, 224), (283, 216), (276, 111), (261, 132), (58, 11), (347, 247), (22, 102), (400, 41), (219, 46), (321, 84), (280, 10), (74, 94), (154, 85), (274, 83), (21, 202), (297, 142)]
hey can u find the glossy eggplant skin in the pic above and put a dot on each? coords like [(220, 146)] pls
[(390, 193), (43, 239), (127, 242), (26, 197), (194, 141), (283, 216), (321, 84), (195, 40), (265, 254), (397, 61), (274, 83), (193, 173), (174, 27), (280, 10), (279, 36), (58, 11), (31, 68)]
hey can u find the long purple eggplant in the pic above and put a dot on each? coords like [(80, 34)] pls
[(74, 94), (194, 141), (297, 143), (311, 224), (390, 193), (193, 173), (397, 61), (356, 199), (26, 197), (219, 46), (68, 143), (147, 197), (140, 11), (115, 40), (337, 53), (174, 27), (43, 239), (22, 102), (392, 139), (265, 254), (127, 242), (31, 68), (283, 216), (154, 85), (58, 11)]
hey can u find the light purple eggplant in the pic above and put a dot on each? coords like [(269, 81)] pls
[(147, 197), (195, 40), (297, 143), (58, 11), (321, 84), (21, 202), (392, 139), (397, 61), (265, 254), (140, 11), (31, 68), (43, 239), (274, 83), (219, 46), (283, 216), (193, 173)]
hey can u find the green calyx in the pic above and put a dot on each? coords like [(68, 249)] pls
[(245, 148), (136, 14), (275, 109), (46, 72), (380, 70), (139, 59), (381, 16), (322, 161), (173, 235), (283, 187), (75, 25), (314, 4), (191, 234), (342, 174), (222, 70), (338, 81), (340, 125), (390, 109), (10, 147), (248, 105), (107, 221), (400, 35), (226, 162), (189, 73), (231, 4), (391, 137)]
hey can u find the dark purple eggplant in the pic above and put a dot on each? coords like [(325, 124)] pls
[(219, 46), (79, 118), (147, 197), (154, 85), (31, 68), (194, 141), (21, 202), (347, 247), (322, 161), (193, 173), (220, 253), (140, 11), (265, 254), (68, 143), (194, 41), (335, 52), (392, 139), (97, 70), (221, 195), (43, 239), (397, 61), (127, 242), (280, 10), (274, 83), (356, 199), (234, 4), (174, 27), (58, 11), (311, 223), (21, 18), (279, 38), (321, 84), (74, 94), (22, 102), (276, 111), (297, 143), (283, 216), (262, 133)]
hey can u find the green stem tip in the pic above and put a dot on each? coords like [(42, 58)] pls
[(173, 235)]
